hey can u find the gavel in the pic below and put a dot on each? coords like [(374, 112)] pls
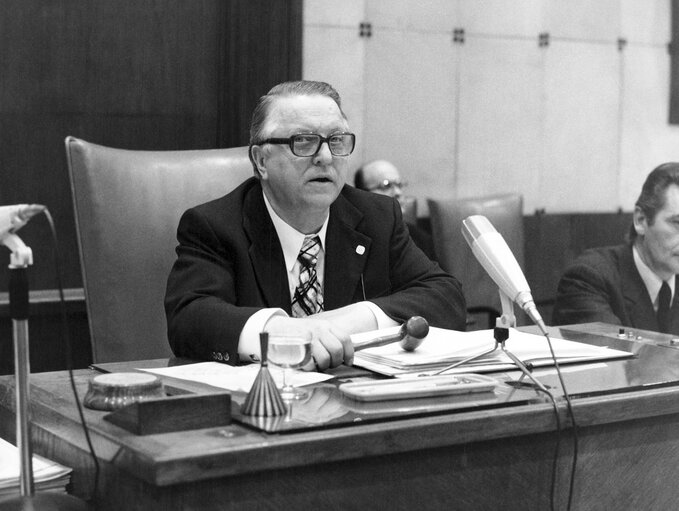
[(410, 336)]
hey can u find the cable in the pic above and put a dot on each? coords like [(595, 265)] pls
[(69, 351), (501, 334), (569, 407), (557, 445), (557, 448)]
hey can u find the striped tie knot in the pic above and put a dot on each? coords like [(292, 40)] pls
[(308, 255)]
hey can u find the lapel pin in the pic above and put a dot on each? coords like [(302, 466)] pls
[(360, 250)]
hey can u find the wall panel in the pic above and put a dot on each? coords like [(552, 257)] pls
[(582, 20), (646, 139), (422, 141), (646, 22), (581, 132), (499, 18), (343, 70), (431, 16), (501, 118)]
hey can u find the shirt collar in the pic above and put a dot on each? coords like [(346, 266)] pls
[(651, 280), (291, 239)]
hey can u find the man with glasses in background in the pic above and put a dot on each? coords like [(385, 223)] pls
[(382, 177), (294, 250)]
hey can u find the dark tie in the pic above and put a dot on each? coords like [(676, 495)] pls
[(308, 298), (664, 298)]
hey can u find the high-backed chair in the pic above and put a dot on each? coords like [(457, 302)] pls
[(127, 207), (505, 212)]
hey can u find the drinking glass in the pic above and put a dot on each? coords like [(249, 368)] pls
[(290, 352)]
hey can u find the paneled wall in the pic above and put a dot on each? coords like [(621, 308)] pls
[(152, 74), (564, 102), (162, 74)]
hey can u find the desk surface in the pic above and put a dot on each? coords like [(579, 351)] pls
[(627, 412)]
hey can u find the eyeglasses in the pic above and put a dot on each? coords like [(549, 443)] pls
[(387, 184), (308, 144)]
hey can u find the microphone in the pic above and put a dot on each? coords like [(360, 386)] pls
[(410, 336), (13, 218), (491, 250)]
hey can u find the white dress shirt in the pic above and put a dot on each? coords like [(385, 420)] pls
[(291, 243), (651, 280)]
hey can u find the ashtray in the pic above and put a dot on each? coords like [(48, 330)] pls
[(116, 390)]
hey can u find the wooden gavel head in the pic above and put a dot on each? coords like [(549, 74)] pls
[(409, 336), (413, 333)]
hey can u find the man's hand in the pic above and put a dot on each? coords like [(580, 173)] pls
[(330, 345)]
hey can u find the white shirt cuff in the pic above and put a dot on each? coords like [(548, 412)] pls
[(248, 342), (383, 321)]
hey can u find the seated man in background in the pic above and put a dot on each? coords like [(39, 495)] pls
[(294, 250), (382, 177), (631, 284)]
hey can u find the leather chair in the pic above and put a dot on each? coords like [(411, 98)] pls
[(505, 212), (127, 207)]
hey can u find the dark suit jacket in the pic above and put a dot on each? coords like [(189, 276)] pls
[(603, 284), (422, 239), (230, 265)]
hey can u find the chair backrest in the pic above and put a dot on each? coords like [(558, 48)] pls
[(505, 212), (127, 207)]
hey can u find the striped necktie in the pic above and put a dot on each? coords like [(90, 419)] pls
[(664, 308), (308, 297)]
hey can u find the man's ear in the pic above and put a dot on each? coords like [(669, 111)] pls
[(640, 221), (259, 157)]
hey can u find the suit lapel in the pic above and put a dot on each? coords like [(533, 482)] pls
[(265, 251), (346, 252), (637, 301)]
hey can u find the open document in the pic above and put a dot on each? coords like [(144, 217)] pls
[(47, 474), (443, 347)]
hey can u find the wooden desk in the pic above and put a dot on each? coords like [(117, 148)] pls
[(482, 459)]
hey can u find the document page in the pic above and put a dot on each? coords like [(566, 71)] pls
[(237, 378), (47, 474), (443, 347)]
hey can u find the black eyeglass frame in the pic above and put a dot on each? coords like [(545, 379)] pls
[(290, 141)]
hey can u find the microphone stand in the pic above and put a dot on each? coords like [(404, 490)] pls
[(20, 259), (501, 334)]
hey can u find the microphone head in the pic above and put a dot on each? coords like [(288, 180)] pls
[(26, 211), (474, 226), (13, 218), (493, 253)]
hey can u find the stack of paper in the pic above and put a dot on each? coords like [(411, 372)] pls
[(238, 378), (443, 347), (47, 475)]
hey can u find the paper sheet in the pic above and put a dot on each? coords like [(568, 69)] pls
[(44, 470), (443, 347), (235, 378)]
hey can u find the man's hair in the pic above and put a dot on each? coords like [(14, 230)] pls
[(652, 197), (298, 88), (359, 179)]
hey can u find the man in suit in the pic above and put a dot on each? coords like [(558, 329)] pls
[(632, 284), (294, 250), (382, 177)]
